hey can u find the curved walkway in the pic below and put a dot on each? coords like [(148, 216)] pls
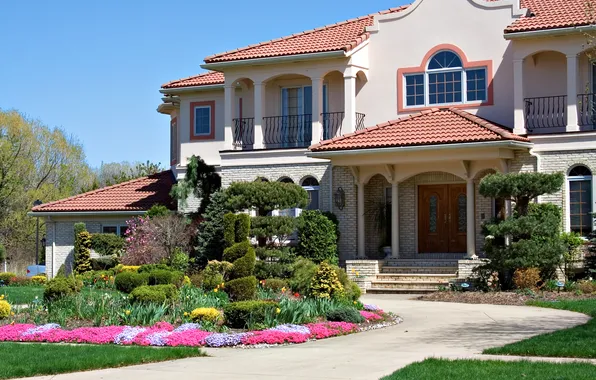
[(447, 330)]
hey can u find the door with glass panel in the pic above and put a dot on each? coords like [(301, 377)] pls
[(296, 104)]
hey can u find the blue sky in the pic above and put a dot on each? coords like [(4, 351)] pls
[(95, 68)]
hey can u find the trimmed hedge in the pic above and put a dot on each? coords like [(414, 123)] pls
[(229, 229), (127, 281), (107, 244), (318, 240), (5, 278), (155, 293), (238, 314), (242, 227), (60, 287), (165, 277), (244, 266), (151, 267), (236, 251), (344, 314), (242, 289), (104, 263), (275, 284)]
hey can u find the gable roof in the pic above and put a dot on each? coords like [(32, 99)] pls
[(431, 127), (345, 35), (205, 79), (553, 14), (137, 195)]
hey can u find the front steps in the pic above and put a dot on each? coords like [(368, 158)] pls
[(413, 276)]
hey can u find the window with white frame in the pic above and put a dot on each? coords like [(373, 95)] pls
[(114, 229), (445, 82), (311, 185), (580, 200), (202, 120)]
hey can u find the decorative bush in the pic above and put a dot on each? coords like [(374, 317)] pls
[(526, 278), (325, 283), (272, 229), (318, 240), (239, 314), (107, 244), (236, 251), (5, 278), (179, 260), (587, 287), (60, 287), (229, 221), (352, 290), (4, 308), (304, 271), (242, 227), (83, 252), (39, 280), (157, 211), (345, 314), (147, 293), (244, 266), (265, 196), (572, 241), (210, 238), (215, 273), (126, 268), (152, 267), (165, 277), (21, 281), (275, 284), (127, 281), (242, 289), (201, 180), (209, 314), (104, 263)]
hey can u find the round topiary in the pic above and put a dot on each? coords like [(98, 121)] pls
[(60, 287), (344, 314), (275, 284), (148, 294), (242, 289), (238, 314), (127, 281)]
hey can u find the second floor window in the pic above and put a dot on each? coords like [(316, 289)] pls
[(202, 120), (445, 82)]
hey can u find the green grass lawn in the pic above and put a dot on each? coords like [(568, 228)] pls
[(440, 369), (24, 360), (575, 342), (18, 295)]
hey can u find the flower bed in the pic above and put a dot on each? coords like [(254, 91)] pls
[(189, 334)]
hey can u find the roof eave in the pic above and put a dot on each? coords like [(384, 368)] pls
[(499, 144), (549, 32), (218, 66), (85, 213), (178, 90)]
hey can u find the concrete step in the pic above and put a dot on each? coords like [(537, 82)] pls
[(412, 285), (400, 291), (420, 263), (419, 277), (419, 270)]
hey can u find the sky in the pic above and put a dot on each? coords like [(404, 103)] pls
[(94, 68)]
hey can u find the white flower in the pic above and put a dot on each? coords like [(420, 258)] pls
[(490, 237)]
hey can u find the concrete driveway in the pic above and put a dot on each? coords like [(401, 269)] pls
[(430, 329)]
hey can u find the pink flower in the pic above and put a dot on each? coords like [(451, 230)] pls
[(369, 316), (274, 337)]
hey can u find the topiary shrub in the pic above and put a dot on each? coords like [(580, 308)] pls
[(344, 314), (60, 287), (241, 227), (325, 283), (275, 284), (236, 251), (83, 252), (107, 244), (104, 263), (165, 277), (318, 240), (210, 238), (151, 267), (4, 308), (272, 229), (303, 271), (179, 260), (206, 314), (127, 281), (157, 211), (244, 266), (229, 229), (242, 289), (526, 278), (215, 274), (147, 293), (239, 314)]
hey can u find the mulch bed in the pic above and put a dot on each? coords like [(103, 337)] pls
[(500, 298)]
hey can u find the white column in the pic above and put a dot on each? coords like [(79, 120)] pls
[(572, 119), (349, 122), (470, 219), (395, 220), (519, 126), (317, 110), (228, 117), (259, 94), (361, 234)]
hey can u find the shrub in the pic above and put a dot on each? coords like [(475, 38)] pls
[(229, 220), (526, 278), (265, 270), (157, 210), (587, 287), (165, 277), (179, 260), (325, 283), (127, 281), (303, 271), (242, 227), (40, 280), (104, 263), (152, 267), (83, 252), (265, 196), (242, 289), (345, 314), (572, 241), (196, 280), (318, 240), (205, 314), (210, 238), (107, 244), (236, 251), (127, 268), (62, 271), (275, 284), (5, 278), (4, 308), (147, 293), (273, 228), (215, 273), (353, 291), (239, 314), (244, 266), (20, 281), (60, 287)]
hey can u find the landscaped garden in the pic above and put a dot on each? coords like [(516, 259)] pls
[(227, 280)]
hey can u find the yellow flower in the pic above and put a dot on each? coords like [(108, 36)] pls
[(222, 285), (12, 313), (283, 290), (278, 310), (186, 314), (127, 312), (353, 270), (215, 290), (355, 302), (357, 274), (1, 296)]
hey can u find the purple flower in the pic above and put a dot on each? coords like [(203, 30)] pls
[(223, 340), (158, 338), (289, 328), (188, 326), (370, 307), (41, 329), (128, 334)]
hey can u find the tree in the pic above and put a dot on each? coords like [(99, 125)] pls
[(201, 180), (83, 252), (210, 236), (114, 173), (3, 256), (531, 237), (265, 197), (318, 241)]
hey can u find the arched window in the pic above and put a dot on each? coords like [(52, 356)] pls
[(580, 200), (445, 81), (311, 185), (286, 180)]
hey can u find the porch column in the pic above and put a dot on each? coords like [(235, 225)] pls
[(317, 110), (259, 93), (228, 116), (361, 234), (395, 220), (470, 219), (349, 122), (519, 126), (572, 119)]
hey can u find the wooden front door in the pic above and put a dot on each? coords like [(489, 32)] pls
[(442, 219)]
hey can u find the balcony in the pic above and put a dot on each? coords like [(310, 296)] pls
[(333, 122), (549, 114)]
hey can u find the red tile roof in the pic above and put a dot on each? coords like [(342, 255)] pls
[(136, 195), (208, 78), (345, 35), (435, 126), (553, 14)]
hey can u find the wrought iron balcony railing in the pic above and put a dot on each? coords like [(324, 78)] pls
[(545, 113), (586, 111), (293, 131), (333, 124), (244, 133)]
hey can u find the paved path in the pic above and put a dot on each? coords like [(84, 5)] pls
[(430, 329)]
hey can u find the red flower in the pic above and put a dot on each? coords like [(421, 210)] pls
[(297, 295)]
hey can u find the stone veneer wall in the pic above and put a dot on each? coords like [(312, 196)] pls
[(363, 272), (348, 216), (465, 268), (374, 196)]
